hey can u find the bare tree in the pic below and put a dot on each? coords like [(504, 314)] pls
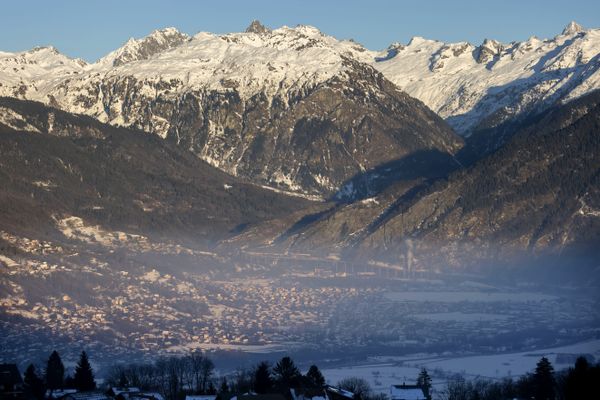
[(360, 387)]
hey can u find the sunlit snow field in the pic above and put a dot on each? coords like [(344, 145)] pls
[(383, 371)]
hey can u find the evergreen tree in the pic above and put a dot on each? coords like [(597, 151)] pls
[(315, 376), (223, 392), (262, 378), (211, 388), (424, 382), (34, 385), (69, 382), (543, 380), (578, 382), (286, 372), (123, 381), (55, 372), (84, 376)]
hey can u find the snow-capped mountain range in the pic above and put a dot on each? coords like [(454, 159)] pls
[(225, 96), (279, 61), (466, 84)]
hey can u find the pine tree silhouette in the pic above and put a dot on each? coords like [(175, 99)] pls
[(34, 385), (55, 372), (424, 382), (315, 376), (543, 380), (286, 372), (262, 378), (84, 376)]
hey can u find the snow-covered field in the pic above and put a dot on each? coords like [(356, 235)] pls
[(385, 371), (514, 364), (461, 317), (456, 297), (380, 375)]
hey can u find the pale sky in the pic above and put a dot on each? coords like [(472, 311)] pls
[(90, 29)]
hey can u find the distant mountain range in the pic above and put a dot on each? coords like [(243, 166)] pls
[(426, 150), (240, 101)]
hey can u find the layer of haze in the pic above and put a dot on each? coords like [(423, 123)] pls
[(91, 29)]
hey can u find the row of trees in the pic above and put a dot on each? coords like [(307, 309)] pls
[(175, 377), (171, 376), (53, 377), (276, 379), (576, 383)]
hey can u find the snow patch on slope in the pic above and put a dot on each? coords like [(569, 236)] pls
[(466, 84), (463, 83), (14, 120)]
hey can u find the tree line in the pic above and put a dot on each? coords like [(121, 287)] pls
[(177, 376), (194, 373), (576, 383), (53, 377)]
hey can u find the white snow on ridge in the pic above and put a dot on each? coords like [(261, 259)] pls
[(144, 48), (248, 62), (14, 120), (26, 74), (461, 82), (464, 83)]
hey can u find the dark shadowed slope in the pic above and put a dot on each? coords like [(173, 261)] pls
[(55, 165), (539, 194)]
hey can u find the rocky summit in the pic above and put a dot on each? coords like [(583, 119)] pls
[(290, 108)]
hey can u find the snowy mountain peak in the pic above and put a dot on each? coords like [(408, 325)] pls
[(47, 49), (488, 50), (472, 86), (308, 30), (465, 83), (144, 48), (23, 74), (258, 28), (572, 28), (418, 40)]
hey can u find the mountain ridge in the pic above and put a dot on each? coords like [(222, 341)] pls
[(534, 199), (246, 102), (56, 165)]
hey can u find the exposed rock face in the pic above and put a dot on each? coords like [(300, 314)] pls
[(291, 108), (537, 195), (572, 28), (256, 27), (311, 141), (482, 91), (56, 165), (218, 94), (142, 49), (237, 100), (488, 51)]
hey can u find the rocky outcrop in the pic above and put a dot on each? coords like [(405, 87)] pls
[(291, 108), (537, 196), (56, 165)]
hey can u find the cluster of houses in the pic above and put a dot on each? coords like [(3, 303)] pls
[(12, 388)]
